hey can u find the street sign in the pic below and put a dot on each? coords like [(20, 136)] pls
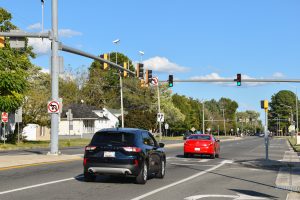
[(193, 129), (166, 126), (154, 81), (4, 117), (69, 115), (18, 115), (160, 117), (53, 107)]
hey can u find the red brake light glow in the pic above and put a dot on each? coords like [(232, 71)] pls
[(84, 161)]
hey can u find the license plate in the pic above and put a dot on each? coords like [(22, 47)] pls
[(109, 154), (197, 149)]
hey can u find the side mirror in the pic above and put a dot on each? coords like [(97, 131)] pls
[(161, 145)]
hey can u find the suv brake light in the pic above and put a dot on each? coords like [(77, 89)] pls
[(132, 149), (90, 148)]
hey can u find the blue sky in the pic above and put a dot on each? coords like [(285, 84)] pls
[(192, 38)]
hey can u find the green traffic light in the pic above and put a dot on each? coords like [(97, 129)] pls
[(238, 83)]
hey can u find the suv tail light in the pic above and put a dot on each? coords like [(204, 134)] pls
[(84, 161), (132, 149), (90, 148)]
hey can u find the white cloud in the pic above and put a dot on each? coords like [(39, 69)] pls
[(162, 64), (40, 46), (208, 76), (36, 26), (216, 76), (46, 71), (278, 75), (68, 33)]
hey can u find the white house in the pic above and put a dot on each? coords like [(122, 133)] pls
[(86, 120)]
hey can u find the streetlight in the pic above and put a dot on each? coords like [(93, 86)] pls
[(296, 96), (141, 54), (203, 128), (116, 42)]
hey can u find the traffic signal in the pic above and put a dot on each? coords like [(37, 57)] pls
[(238, 79), (104, 56), (264, 104), (2, 42), (140, 70), (170, 81), (148, 76), (125, 72)]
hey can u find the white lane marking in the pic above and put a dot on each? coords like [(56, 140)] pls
[(38, 185), (182, 181), (187, 164), (236, 197)]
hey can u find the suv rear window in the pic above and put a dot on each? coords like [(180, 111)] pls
[(114, 138), (199, 137)]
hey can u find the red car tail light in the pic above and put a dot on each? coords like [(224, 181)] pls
[(136, 163), (84, 161), (90, 148), (132, 149)]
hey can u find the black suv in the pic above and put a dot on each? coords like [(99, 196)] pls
[(124, 152)]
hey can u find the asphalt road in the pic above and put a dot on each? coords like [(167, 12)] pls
[(233, 176)]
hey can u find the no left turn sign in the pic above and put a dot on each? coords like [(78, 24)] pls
[(53, 107)]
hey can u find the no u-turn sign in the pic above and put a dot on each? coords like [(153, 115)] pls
[(53, 107)]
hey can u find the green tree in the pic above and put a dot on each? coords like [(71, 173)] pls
[(283, 107), (15, 66), (35, 103)]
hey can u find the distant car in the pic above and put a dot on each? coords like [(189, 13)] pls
[(261, 135), (202, 144), (124, 152), (186, 135)]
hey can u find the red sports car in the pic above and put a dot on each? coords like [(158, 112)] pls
[(202, 144)]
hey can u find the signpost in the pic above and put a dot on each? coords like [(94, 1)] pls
[(166, 127), (70, 119), (4, 119), (160, 117)]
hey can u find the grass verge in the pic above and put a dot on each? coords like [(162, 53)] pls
[(293, 142), (45, 144)]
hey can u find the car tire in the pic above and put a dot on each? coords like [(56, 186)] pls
[(186, 155), (88, 177), (143, 174), (212, 156), (162, 169)]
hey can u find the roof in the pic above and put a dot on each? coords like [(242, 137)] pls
[(82, 111), (127, 130), (116, 112)]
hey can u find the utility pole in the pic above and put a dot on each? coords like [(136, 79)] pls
[(54, 78), (297, 125), (158, 101), (116, 42), (224, 121), (203, 127)]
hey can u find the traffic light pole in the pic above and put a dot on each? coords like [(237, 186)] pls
[(266, 134), (243, 80), (54, 78)]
